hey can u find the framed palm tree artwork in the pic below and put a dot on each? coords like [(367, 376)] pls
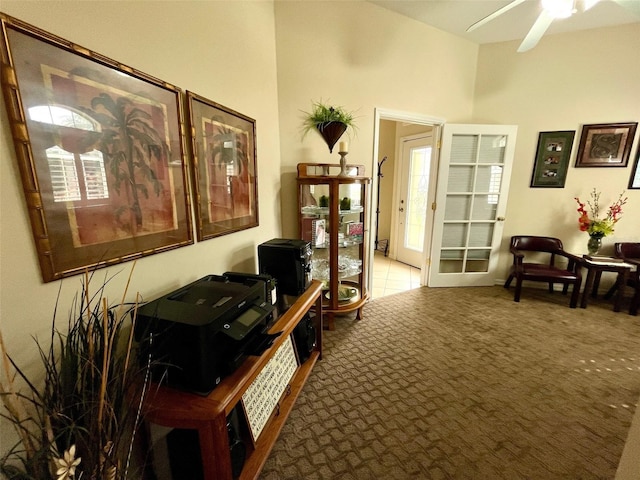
[(100, 150), (224, 151)]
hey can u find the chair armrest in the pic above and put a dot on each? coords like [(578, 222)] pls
[(571, 256), (575, 262), (632, 261), (636, 262), (518, 256)]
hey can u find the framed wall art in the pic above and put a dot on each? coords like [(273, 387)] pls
[(606, 145), (552, 159), (224, 173), (634, 181), (100, 152)]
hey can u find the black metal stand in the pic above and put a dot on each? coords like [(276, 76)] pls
[(385, 247)]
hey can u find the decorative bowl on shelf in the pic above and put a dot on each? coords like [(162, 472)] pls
[(345, 294), (314, 210)]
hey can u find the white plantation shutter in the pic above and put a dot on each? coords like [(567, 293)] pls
[(64, 165)]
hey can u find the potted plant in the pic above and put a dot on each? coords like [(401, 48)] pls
[(329, 121), (81, 421)]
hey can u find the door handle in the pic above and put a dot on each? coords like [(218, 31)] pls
[(500, 219), (401, 209)]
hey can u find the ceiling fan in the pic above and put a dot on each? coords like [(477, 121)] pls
[(551, 10)]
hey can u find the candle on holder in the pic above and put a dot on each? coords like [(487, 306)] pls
[(343, 146)]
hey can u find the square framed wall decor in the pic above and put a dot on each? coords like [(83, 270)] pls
[(606, 144), (552, 159)]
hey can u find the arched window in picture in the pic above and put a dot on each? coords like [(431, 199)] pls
[(76, 168)]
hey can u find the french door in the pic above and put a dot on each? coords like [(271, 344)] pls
[(471, 199)]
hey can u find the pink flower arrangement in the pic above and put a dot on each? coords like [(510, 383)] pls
[(591, 223)]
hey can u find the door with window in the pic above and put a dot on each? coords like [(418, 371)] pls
[(473, 182), (415, 175)]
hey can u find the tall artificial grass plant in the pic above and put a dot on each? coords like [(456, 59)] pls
[(80, 421)]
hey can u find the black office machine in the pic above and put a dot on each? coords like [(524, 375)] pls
[(289, 261), (202, 332)]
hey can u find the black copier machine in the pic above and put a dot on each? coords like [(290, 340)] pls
[(203, 331)]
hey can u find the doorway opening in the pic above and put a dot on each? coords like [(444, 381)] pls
[(417, 134), (391, 276)]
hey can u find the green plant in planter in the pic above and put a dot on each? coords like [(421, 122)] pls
[(329, 121), (81, 423)]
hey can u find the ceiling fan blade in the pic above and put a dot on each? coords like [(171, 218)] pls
[(587, 4), (536, 32), (495, 14), (632, 5)]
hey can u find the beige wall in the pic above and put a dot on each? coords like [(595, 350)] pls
[(386, 148), (326, 50), (224, 51), (566, 81)]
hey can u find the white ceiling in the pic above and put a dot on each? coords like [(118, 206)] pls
[(455, 16)]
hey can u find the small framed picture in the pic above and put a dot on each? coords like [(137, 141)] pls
[(552, 159), (606, 145), (356, 230), (319, 236), (634, 181)]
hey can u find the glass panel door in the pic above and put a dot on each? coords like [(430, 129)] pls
[(472, 191), (414, 199)]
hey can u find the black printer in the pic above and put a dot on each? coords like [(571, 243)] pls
[(203, 331)]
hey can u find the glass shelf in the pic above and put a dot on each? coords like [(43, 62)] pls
[(342, 242), (347, 267), (315, 210)]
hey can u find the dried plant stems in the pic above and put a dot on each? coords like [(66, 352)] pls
[(92, 395)]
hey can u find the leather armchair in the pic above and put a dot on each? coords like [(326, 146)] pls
[(630, 253), (544, 268)]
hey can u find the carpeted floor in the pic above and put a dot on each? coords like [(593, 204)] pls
[(464, 383)]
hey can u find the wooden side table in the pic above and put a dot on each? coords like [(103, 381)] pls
[(594, 273)]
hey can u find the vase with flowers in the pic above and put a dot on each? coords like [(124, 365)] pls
[(596, 226)]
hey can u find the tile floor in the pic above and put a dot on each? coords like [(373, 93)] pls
[(391, 277)]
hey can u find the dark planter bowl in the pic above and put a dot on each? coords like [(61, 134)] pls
[(331, 132)]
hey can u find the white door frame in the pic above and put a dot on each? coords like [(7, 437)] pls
[(398, 116)]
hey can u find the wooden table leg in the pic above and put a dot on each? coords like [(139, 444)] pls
[(596, 283), (635, 300), (587, 287), (622, 282)]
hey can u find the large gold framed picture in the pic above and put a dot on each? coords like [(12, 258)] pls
[(224, 171), (100, 150)]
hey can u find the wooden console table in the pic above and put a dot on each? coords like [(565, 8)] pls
[(174, 408)]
